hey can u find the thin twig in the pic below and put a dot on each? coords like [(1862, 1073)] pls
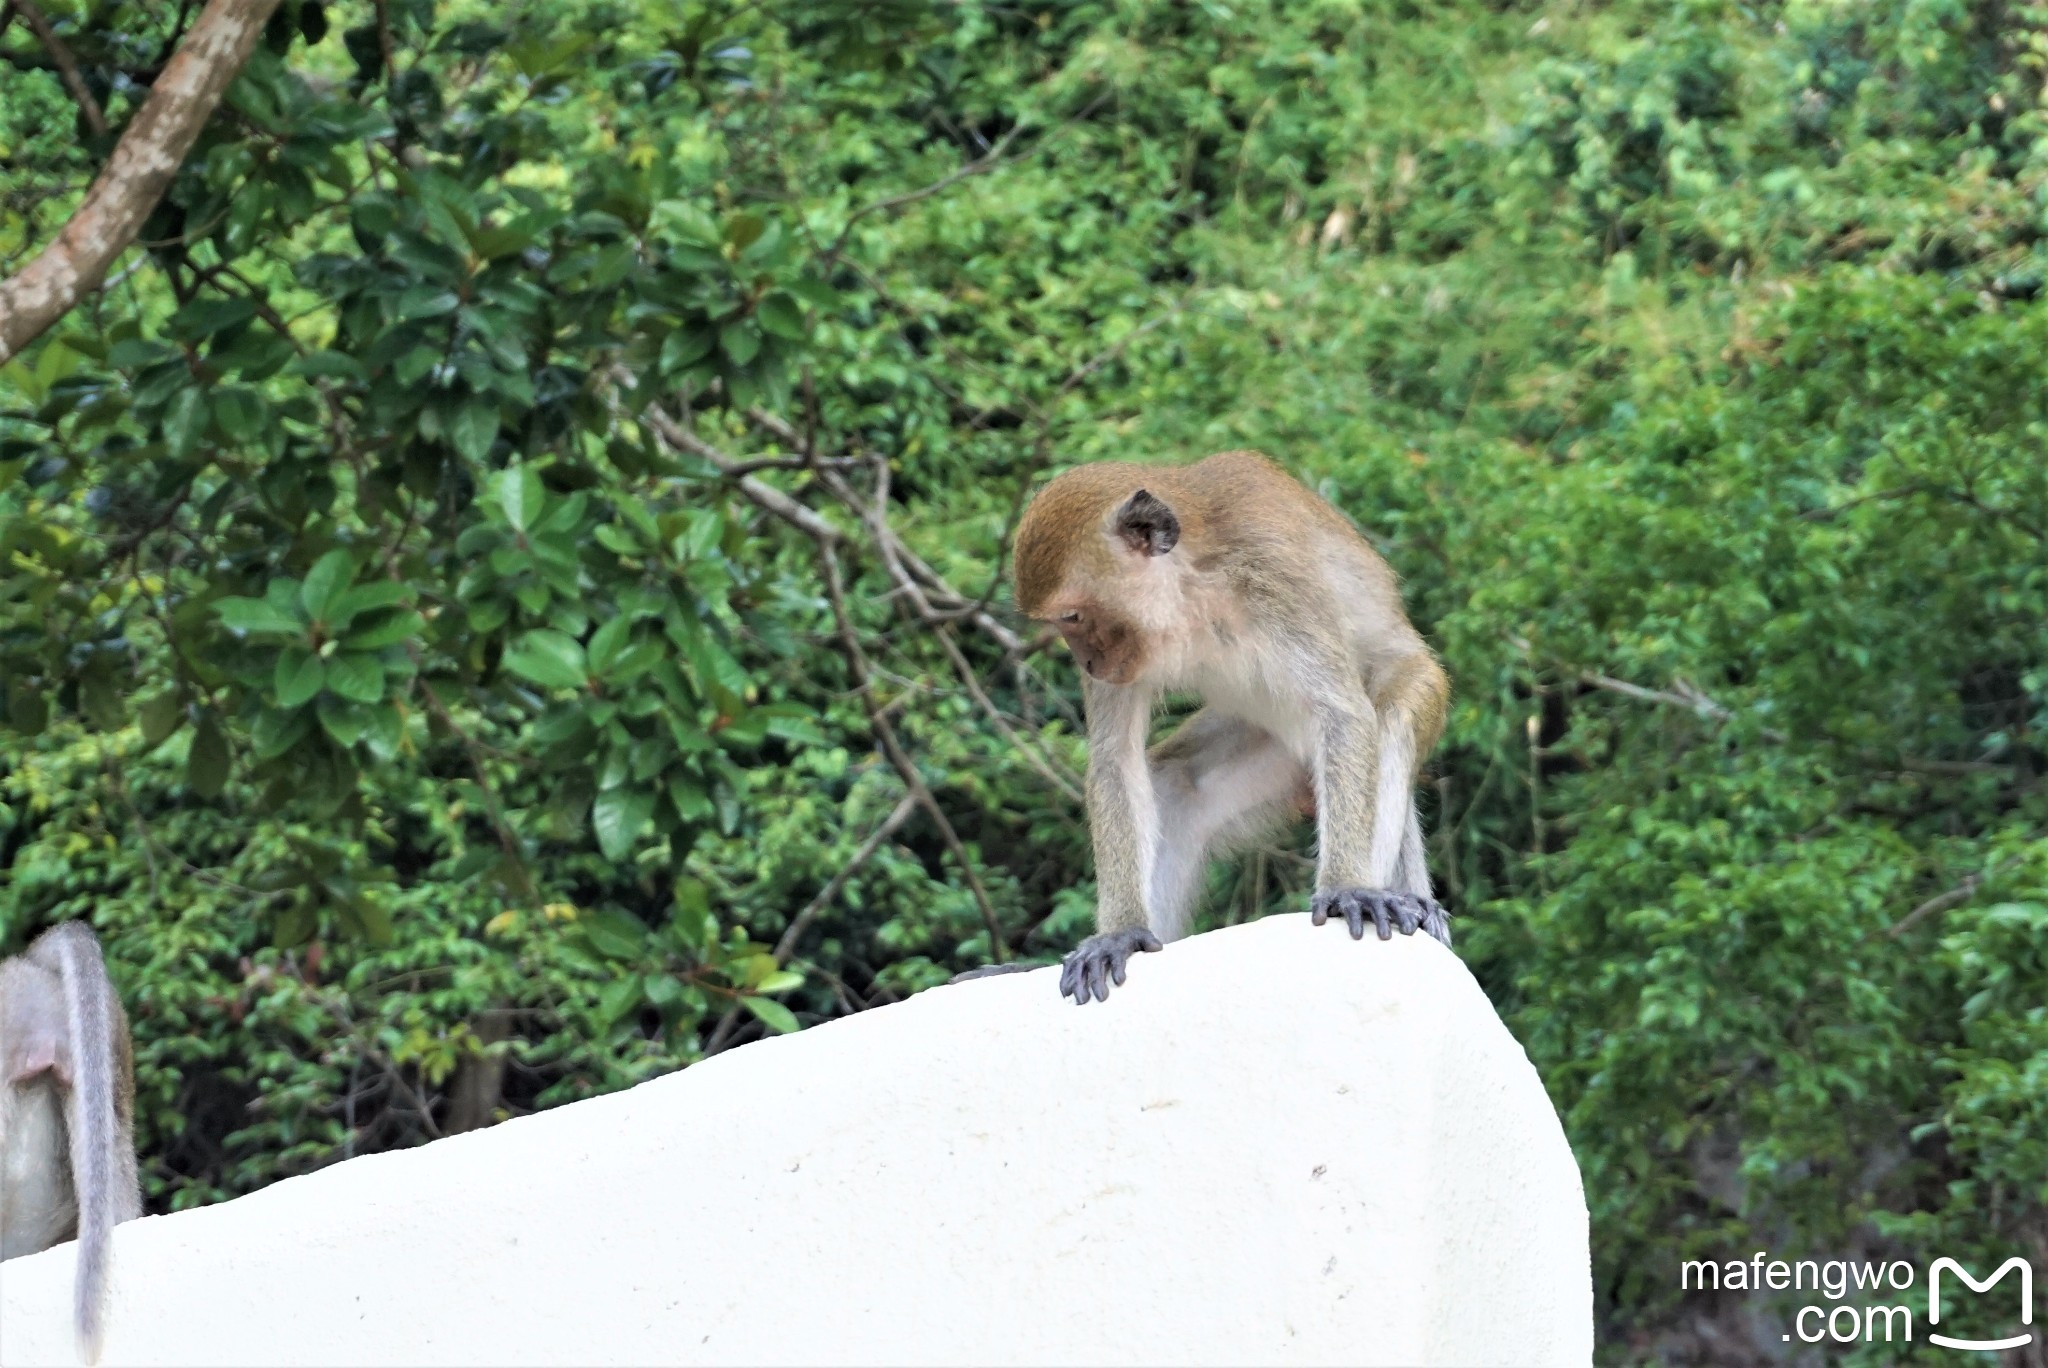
[(988, 161), (892, 748), (766, 496), (66, 64), (721, 1034), (1066, 783), (1954, 897)]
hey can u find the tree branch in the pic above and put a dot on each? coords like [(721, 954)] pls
[(66, 64), (135, 177)]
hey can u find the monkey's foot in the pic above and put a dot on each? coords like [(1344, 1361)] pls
[(990, 970), (1389, 909), (1095, 963)]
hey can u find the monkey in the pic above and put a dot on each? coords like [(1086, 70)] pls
[(1230, 579), (67, 1111)]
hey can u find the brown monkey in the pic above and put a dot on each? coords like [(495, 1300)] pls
[(1229, 579), (67, 1111)]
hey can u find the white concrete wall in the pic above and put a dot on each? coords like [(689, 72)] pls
[(1273, 1145)]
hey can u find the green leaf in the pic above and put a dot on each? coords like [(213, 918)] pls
[(781, 981), (686, 347), (550, 659), (816, 292), (606, 642), (342, 721), (277, 731), (240, 413), (202, 318), (356, 677), (258, 617), (363, 598), (619, 817), (325, 583), (28, 711), (473, 429), (299, 676), (740, 343), (184, 421), (296, 925), (781, 316), (663, 992), (617, 1000), (375, 920), (521, 495), (133, 353), (329, 365), (160, 716), (386, 732), (615, 934), (206, 768), (778, 1017), (385, 629)]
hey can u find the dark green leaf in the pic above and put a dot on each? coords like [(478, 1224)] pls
[(298, 677), (779, 315), (206, 767), (356, 676), (325, 583), (620, 817), (184, 421), (550, 659)]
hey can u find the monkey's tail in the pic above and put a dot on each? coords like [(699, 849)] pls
[(88, 999)]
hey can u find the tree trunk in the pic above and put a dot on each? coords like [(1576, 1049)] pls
[(136, 176)]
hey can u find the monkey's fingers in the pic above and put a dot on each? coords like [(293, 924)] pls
[(1437, 922), (1408, 910), (1070, 979)]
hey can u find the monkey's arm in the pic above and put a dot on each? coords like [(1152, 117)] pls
[(1364, 772), (1123, 819)]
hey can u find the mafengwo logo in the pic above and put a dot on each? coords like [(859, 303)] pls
[(2026, 1280), (1852, 1322)]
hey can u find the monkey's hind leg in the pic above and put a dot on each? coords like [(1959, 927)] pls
[(1090, 968), (1408, 908), (1413, 877)]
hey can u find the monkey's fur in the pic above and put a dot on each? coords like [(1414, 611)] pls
[(1229, 579), (67, 1111)]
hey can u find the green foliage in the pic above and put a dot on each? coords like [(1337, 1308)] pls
[(397, 676)]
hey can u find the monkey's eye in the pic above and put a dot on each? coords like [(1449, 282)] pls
[(1070, 617)]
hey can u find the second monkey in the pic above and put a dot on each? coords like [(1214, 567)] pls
[(1228, 578)]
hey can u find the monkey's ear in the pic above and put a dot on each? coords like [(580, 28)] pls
[(1147, 525)]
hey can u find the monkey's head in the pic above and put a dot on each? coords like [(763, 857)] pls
[(1087, 556)]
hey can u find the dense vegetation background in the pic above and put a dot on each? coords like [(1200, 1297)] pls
[(529, 519)]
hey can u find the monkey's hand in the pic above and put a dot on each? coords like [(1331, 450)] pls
[(1100, 960), (1389, 910)]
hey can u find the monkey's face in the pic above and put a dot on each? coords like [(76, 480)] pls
[(1110, 649)]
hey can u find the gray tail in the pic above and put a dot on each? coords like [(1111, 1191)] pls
[(95, 1168)]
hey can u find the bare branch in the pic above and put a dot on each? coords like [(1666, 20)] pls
[(136, 176), (988, 161), (786, 946), (66, 64), (885, 735), (767, 496), (722, 1034), (1066, 782), (1954, 897)]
